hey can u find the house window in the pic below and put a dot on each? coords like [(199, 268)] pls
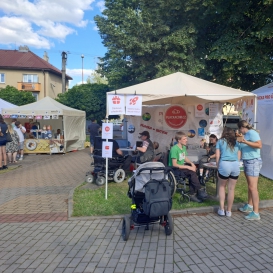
[(30, 78), (35, 95), (2, 77)]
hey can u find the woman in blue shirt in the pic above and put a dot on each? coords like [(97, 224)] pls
[(251, 146), (228, 154)]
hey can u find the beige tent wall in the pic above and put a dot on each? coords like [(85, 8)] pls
[(74, 134)]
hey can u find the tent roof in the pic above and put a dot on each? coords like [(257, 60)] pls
[(45, 106), (264, 89), (5, 104), (180, 88)]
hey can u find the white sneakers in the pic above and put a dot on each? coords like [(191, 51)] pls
[(221, 212)]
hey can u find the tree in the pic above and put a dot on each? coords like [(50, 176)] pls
[(95, 77), (228, 42), (90, 98), (14, 96)]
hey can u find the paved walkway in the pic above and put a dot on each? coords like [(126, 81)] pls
[(35, 236)]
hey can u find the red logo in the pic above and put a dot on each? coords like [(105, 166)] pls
[(116, 100), (107, 147), (199, 107), (175, 117), (107, 128), (133, 101)]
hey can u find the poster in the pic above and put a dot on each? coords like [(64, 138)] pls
[(134, 105), (213, 110), (107, 131), (107, 148), (116, 104), (200, 110)]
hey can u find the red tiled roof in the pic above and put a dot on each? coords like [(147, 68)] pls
[(14, 59)]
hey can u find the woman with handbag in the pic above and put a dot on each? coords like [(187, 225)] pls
[(3, 141), (13, 146)]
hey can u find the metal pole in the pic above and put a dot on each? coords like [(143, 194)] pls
[(64, 57), (82, 67), (106, 171)]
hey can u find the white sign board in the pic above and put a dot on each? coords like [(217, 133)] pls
[(134, 105), (200, 110), (107, 131), (107, 148), (116, 104)]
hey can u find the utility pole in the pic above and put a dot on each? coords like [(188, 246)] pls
[(64, 58)]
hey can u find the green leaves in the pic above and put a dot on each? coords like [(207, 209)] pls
[(14, 96)]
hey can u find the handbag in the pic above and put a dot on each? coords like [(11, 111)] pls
[(8, 137)]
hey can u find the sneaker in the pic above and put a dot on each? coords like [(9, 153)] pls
[(221, 212), (20, 158), (201, 180), (253, 216), (194, 198), (228, 213), (246, 208), (206, 179)]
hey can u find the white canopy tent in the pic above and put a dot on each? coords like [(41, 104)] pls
[(73, 119), (180, 88), (5, 104), (265, 126)]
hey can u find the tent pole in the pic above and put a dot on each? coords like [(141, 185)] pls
[(255, 112)]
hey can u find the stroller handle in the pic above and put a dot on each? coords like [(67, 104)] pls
[(165, 169)]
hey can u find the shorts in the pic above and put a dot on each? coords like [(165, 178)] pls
[(3, 142), (21, 145), (252, 167), (229, 169), (92, 141)]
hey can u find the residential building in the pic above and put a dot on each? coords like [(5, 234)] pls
[(28, 72)]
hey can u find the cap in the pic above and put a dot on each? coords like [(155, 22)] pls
[(145, 133)]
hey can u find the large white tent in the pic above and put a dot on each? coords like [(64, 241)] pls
[(180, 88), (5, 104), (265, 126), (73, 120)]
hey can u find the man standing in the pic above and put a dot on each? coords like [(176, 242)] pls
[(94, 130), (20, 131)]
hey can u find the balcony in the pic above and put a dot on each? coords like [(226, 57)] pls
[(29, 86)]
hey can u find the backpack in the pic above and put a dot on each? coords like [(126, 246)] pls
[(158, 199)]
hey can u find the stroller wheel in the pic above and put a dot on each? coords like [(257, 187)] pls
[(119, 175), (89, 178), (169, 224), (100, 180), (125, 228)]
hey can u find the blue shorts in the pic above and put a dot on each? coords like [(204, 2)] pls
[(92, 141), (3, 142), (252, 167), (229, 168)]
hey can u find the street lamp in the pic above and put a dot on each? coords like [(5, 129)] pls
[(82, 67)]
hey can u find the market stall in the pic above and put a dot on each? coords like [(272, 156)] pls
[(51, 127)]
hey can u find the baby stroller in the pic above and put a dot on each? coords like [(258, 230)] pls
[(98, 169), (151, 196)]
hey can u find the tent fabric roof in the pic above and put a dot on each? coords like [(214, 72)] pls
[(264, 89), (45, 106), (6, 104), (180, 88)]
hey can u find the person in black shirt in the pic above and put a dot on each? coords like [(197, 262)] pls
[(94, 130)]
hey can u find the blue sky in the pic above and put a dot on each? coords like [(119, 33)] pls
[(54, 26)]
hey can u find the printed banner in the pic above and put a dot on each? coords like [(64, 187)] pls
[(107, 148), (134, 105), (107, 131), (200, 110), (116, 104)]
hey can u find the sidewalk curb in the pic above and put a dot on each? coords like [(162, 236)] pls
[(176, 213)]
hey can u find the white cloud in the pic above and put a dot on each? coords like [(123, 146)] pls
[(101, 5), (42, 20), (78, 72)]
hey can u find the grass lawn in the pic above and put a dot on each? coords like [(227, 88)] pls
[(92, 202)]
